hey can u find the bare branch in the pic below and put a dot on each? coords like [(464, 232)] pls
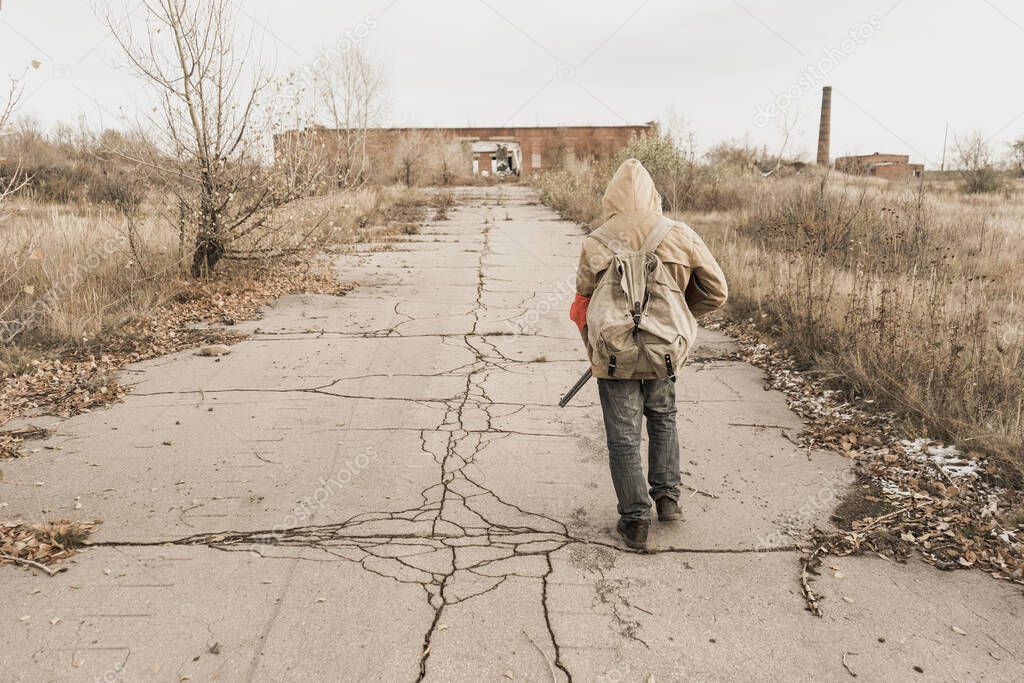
[(13, 180)]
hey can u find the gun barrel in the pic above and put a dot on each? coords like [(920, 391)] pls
[(576, 388)]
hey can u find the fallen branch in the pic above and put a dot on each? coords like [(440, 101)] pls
[(757, 425), (696, 490), (875, 521), (846, 665), (810, 597), (31, 563)]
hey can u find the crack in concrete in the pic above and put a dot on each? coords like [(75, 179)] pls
[(386, 333)]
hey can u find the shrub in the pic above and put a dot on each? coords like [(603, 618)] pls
[(683, 181), (977, 168), (121, 190), (73, 167)]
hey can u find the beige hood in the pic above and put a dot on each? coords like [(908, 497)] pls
[(631, 189)]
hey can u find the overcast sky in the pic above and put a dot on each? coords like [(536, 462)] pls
[(730, 70)]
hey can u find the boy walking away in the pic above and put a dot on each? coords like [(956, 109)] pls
[(642, 282)]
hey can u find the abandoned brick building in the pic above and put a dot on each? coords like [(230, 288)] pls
[(880, 165), (498, 151)]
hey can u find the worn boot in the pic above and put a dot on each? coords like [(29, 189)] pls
[(668, 510), (634, 533)]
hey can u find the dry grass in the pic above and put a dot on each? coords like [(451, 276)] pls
[(70, 272), (341, 219), (908, 295), (896, 293)]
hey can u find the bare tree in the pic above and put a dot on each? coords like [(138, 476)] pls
[(976, 165), (350, 88), (209, 88)]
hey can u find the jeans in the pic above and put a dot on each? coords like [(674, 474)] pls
[(625, 403)]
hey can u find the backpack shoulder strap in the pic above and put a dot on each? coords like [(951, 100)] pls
[(613, 245), (657, 234)]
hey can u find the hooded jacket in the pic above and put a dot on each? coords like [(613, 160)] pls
[(632, 207)]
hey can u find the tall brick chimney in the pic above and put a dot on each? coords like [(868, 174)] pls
[(825, 131)]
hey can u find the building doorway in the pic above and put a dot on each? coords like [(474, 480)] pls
[(500, 159)]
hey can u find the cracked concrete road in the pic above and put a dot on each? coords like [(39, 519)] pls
[(379, 487)]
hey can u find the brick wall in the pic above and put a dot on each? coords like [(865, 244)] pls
[(542, 146), (893, 171), (863, 164)]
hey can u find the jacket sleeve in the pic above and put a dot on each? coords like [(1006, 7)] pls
[(586, 281), (707, 290), (586, 275)]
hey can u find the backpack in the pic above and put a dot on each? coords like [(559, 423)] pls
[(637, 312)]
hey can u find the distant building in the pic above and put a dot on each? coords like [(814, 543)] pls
[(880, 165), (495, 151)]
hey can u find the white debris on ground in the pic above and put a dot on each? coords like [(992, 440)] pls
[(949, 459)]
